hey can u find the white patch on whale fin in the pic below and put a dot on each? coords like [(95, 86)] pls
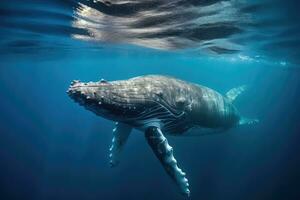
[(235, 92), (164, 152), (246, 121), (120, 136)]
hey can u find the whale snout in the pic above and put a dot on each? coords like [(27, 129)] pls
[(82, 93), (88, 93)]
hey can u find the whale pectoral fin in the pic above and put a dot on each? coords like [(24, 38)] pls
[(235, 92), (120, 136), (164, 152)]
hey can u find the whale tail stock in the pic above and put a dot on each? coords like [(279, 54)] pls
[(231, 95)]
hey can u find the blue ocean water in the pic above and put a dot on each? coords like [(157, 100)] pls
[(51, 148)]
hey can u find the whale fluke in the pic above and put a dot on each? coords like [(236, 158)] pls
[(247, 121)]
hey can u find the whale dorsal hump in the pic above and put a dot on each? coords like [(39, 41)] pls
[(235, 92)]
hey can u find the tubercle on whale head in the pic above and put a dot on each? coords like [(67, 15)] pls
[(88, 93), (102, 98)]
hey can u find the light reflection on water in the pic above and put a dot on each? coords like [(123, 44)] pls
[(256, 30)]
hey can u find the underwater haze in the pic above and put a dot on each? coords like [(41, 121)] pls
[(51, 148)]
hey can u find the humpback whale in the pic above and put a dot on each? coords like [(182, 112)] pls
[(159, 106)]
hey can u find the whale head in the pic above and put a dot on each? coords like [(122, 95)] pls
[(111, 100)]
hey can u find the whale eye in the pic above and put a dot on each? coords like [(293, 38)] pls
[(180, 102), (159, 93)]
